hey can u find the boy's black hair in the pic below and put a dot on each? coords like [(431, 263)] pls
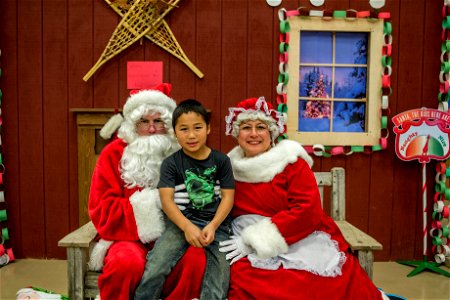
[(189, 105)]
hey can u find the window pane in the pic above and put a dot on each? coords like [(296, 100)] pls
[(314, 115), (315, 82), (316, 47), (349, 116), (351, 48), (350, 83)]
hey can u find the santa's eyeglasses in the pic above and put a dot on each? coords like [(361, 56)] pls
[(146, 124)]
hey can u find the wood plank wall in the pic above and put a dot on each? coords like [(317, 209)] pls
[(48, 45)]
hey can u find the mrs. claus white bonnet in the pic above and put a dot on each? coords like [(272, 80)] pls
[(137, 105), (255, 109)]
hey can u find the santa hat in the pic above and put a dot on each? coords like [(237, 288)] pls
[(157, 98), (255, 109)]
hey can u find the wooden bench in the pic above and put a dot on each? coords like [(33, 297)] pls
[(361, 243), (83, 283)]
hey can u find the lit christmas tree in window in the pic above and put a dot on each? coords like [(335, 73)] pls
[(316, 84)]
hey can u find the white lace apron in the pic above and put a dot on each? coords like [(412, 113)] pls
[(317, 253)]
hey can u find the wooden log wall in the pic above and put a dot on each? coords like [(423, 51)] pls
[(47, 46)]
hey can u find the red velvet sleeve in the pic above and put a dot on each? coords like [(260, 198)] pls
[(304, 210), (109, 205)]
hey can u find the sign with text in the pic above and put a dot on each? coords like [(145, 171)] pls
[(143, 75), (422, 134)]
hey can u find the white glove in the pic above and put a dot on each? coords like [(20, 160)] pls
[(236, 247), (181, 197)]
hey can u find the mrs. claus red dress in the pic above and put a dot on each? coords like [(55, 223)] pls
[(279, 191)]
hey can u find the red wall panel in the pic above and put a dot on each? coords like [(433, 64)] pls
[(235, 44)]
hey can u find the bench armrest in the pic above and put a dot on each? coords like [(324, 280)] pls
[(77, 243), (357, 239), (81, 237)]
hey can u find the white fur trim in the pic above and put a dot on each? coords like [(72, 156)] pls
[(98, 254), (265, 238), (384, 296), (111, 126), (148, 214), (149, 97), (264, 167)]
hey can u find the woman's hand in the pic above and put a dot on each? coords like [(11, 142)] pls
[(236, 249)]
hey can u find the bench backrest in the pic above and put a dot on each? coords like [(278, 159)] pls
[(335, 180)]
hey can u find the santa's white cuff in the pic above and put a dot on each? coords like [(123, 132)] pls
[(148, 214), (98, 254), (265, 238)]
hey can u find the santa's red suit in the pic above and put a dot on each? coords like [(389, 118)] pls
[(307, 257), (124, 219)]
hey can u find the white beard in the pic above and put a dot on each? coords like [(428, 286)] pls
[(142, 158)]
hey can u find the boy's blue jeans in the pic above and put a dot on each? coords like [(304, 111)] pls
[(168, 250)]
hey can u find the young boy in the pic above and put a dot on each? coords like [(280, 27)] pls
[(205, 221)]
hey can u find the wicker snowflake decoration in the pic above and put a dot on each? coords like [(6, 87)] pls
[(142, 18)]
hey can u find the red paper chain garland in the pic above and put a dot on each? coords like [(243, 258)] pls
[(439, 231), (6, 252), (283, 77)]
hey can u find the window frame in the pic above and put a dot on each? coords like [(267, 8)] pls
[(375, 30)]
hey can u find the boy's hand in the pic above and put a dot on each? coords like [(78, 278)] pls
[(208, 233), (194, 236)]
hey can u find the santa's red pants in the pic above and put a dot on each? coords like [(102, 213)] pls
[(124, 265)]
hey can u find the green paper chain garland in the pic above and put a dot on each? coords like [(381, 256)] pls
[(439, 231), (6, 252), (283, 77)]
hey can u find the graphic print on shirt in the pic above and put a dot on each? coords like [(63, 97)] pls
[(200, 186)]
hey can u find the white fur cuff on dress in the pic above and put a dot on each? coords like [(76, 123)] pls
[(148, 214), (265, 238)]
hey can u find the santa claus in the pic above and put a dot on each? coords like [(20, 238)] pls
[(124, 203)]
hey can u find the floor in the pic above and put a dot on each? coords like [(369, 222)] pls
[(390, 276)]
